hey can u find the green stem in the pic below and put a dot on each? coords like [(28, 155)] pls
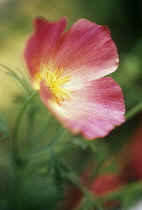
[(15, 150), (133, 111)]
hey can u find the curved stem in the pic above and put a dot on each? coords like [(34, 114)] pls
[(15, 152), (133, 111)]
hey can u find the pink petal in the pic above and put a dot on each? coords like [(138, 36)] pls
[(40, 45), (94, 109), (87, 51)]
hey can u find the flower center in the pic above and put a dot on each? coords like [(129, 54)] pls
[(55, 82)]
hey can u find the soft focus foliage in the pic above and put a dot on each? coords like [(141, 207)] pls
[(52, 162)]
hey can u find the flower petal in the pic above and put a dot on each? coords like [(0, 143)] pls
[(87, 51), (41, 44), (94, 109)]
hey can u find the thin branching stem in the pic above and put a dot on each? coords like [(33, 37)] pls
[(133, 111), (15, 150)]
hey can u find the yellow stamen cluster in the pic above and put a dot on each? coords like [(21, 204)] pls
[(55, 82)]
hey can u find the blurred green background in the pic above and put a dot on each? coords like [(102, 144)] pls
[(124, 19)]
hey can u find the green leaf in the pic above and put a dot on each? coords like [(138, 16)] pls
[(90, 201), (19, 99), (131, 196), (81, 143), (36, 192), (19, 78), (111, 168), (100, 149), (4, 128)]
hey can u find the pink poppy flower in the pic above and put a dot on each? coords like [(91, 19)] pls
[(67, 69)]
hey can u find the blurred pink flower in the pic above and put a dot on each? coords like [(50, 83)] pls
[(67, 69), (100, 186), (106, 183)]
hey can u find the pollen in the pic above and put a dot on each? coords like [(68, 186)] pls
[(56, 83)]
